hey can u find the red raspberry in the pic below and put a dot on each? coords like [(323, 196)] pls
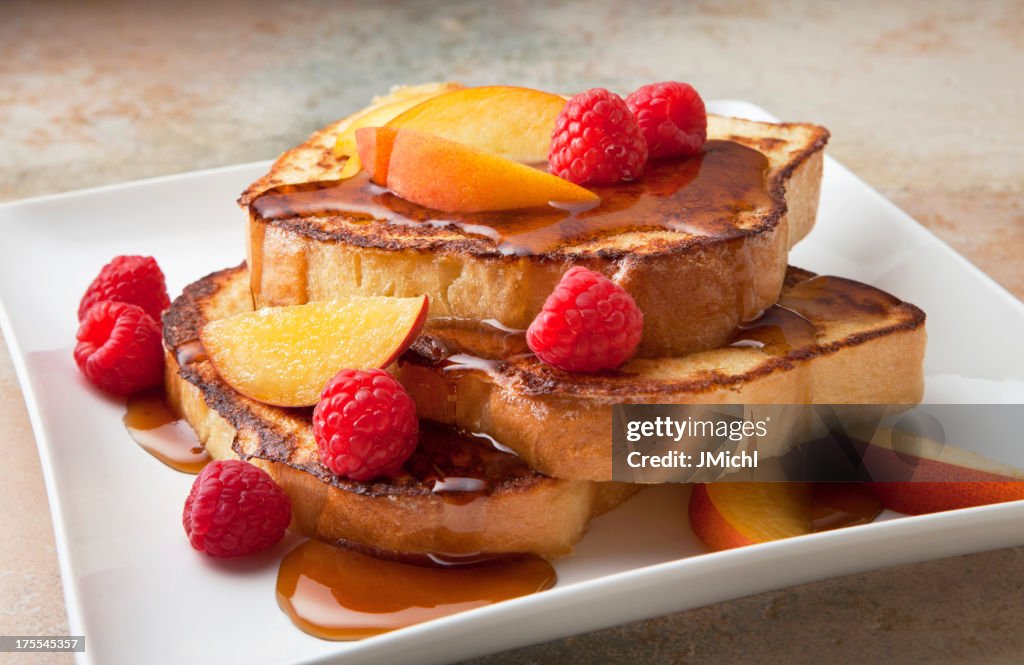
[(672, 118), (588, 323), (119, 348), (235, 508), (132, 279), (596, 140), (365, 424)]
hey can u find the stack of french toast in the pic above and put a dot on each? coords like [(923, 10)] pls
[(514, 451)]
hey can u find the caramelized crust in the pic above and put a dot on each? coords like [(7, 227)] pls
[(830, 340), (694, 288), (457, 494)]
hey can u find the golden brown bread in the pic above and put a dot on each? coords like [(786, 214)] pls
[(456, 495), (831, 341), (693, 283)]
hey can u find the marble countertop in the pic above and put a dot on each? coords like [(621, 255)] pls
[(923, 101)]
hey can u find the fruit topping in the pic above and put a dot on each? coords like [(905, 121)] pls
[(119, 348), (365, 424), (375, 145), (672, 118), (597, 140), (137, 280), (285, 355), (445, 175), (918, 498), (588, 323), (507, 121), (234, 509), (928, 476), (727, 515), (380, 113)]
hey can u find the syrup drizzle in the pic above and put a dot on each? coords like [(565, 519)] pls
[(482, 341), (459, 466), (494, 443), (837, 505), (160, 432), (337, 593), (190, 352), (698, 196), (777, 331), (462, 344)]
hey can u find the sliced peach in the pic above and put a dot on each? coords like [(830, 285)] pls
[(918, 498), (375, 145), (936, 477), (380, 113), (728, 515), (511, 122), (285, 355), (445, 175)]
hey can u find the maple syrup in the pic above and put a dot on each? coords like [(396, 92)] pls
[(461, 469), (190, 352), (337, 593), (468, 345), (160, 432), (777, 331), (785, 328), (698, 196), (787, 325), (836, 505), (484, 339), (828, 298)]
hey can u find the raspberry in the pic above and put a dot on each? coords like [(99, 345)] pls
[(596, 140), (365, 424), (119, 348), (672, 118), (137, 280), (588, 323), (235, 508)]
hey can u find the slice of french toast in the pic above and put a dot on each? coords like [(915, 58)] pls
[(700, 243), (829, 340), (456, 495)]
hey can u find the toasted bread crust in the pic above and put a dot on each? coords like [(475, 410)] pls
[(693, 289), (517, 510), (789, 145), (867, 347)]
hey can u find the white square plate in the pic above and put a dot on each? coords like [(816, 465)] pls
[(140, 594)]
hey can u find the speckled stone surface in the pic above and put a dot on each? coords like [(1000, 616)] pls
[(923, 100)]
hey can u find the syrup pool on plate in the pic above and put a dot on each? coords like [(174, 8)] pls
[(160, 432), (337, 593), (837, 505)]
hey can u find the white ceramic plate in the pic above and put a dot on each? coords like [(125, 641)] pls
[(140, 594)]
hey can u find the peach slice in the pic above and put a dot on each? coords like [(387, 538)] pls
[(380, 113), (918, 498), (938, 477), (728, 515), (375, 145), (511, 122), (285, 355), (445, 175)]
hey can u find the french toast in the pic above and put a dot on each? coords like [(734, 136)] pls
[(828, 340), (701, 244), (456, 495)]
